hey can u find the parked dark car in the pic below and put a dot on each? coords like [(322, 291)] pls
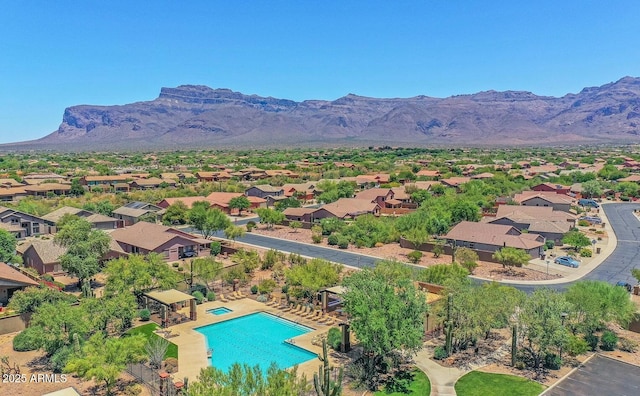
[(625, 285), (588, 202)]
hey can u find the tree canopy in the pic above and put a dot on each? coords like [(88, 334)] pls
[(208, 220), (137, 274), (512, 257), (576, 239), (385, 316)]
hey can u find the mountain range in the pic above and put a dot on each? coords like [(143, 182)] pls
[(195, 116)]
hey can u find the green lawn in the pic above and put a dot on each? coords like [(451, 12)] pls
[(477, 383), (147, 331), (419, 386)]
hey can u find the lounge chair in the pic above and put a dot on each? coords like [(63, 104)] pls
[(317, 314), (273, 303), (297, 309), (222, 298), (303, 312), (241, 294), (287, 308), (330, 320), (325, 319)]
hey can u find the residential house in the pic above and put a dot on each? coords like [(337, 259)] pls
[(40, 178), (302, 191), (542, 220), (98, 220), (347, 208), (455, 181), (372, 180), (115, 182), (29, 225), (423, 185), (489, 238), (216, 176), (43, 255), (264, 190), (630, 179), (172, 244), (46, 189), (11, 194), (12, 280), (483, 176), (132, 212), (534, 198), (150, 183), (429, 173), (221, 201), (299, 214), (550, 187), (379, 196)]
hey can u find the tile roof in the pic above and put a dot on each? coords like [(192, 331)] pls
[(494, 235), (148, 236), (188, 201), (48, 251), (373, 193), (350, 207), (12, 277)]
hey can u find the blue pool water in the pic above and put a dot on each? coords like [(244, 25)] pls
[(219, 311), (255, 339)]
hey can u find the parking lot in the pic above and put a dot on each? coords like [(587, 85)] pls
[(600, 376)]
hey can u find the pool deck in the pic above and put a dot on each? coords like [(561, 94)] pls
[(192, 349)]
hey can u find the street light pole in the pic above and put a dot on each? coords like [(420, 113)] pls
[(548, 268)]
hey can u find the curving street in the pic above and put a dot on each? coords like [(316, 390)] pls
[(616, 267)]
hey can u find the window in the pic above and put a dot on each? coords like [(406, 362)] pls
[(36, 228), (135, 249)]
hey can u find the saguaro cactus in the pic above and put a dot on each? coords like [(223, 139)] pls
[(322, 380)]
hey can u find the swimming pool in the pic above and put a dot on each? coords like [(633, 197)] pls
[(219, 311), (258, 338)]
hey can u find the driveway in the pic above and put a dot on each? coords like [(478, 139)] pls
[(599, 376)]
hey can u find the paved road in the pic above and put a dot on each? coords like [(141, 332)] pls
[(617, 267)]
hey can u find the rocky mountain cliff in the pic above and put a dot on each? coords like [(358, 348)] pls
[(197, 116)]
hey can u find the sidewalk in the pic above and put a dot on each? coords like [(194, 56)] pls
[(443, 379)]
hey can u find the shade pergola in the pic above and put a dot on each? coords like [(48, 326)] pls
[(170, 297), (335, 290)]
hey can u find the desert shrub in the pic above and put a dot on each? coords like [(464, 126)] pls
[(334, 338), (577, 346), (552, 361), (378, 244), (438, 250), (343, 242), (133, 390), (549, 244), (415, 256), (60, 358), (144, 314), (216, 248), (592, 340), (175, 265), (262, 298), (585, 252), (211, 296), (628, 345), (266, 286), (285, 289), (520, 365), (440, 353), (624, 198), (180, 269), (250, 225), (198, 296), (254, 289), (583, 223), (469, 266), (28, 339), (333, 239), (608, 341), (316, 238), (48, 277)]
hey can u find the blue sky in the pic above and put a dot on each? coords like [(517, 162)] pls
[(55, 54)]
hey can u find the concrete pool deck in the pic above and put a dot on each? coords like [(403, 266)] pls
[(192, 348)]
